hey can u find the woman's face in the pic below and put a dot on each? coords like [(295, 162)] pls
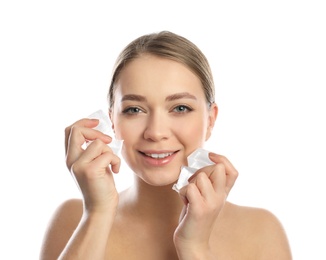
[(161, 113)]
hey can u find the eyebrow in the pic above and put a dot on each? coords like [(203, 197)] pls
[(180, 96), (134, 97)]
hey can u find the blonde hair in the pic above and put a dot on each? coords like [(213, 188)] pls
[(171, 46)]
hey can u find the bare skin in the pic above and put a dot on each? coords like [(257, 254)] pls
[(240, 233), (150, 220)]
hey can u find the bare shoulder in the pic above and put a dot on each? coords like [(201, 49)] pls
[(258, 230), (252, 216), (63, 223)]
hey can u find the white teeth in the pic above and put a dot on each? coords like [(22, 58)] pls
[(158, 155)]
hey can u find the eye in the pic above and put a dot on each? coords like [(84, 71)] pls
[(132, 110), (182, 109)]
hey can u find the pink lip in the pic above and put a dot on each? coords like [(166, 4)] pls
[(159, 161)]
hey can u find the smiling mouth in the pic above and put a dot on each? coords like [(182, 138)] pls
[(158, 155)]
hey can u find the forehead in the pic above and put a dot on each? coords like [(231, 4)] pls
[(150, 74)]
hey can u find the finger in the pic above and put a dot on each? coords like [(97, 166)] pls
[(231, 172), (214, 181), (217, 158), (108, 158), (204, 184), (102, 154), (89, 123), (190, 193), (78, 136), (219, 178), (85, 125)]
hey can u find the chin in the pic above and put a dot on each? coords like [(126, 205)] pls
[(160, 181)]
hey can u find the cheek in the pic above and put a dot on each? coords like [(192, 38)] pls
[(128, 130), (191, 132), (130, 135)]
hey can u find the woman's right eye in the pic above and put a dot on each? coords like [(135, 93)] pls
[(132, 110)]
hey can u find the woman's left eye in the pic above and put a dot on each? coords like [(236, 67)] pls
[(182, 109)]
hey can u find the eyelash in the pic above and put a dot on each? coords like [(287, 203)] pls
[(187, 109), (131, 110)]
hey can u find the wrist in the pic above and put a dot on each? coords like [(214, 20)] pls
[(195, 252), (101, 209), (196, 255), (99, 215)]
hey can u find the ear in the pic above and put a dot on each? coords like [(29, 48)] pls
[(111, 118), (212, 115)]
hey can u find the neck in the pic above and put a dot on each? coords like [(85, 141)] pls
[(153, 203)]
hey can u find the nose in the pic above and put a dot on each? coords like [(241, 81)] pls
[(157, 127)]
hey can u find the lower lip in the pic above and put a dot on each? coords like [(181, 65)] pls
[(159, 161)]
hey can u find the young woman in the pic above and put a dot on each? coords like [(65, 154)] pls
[(161, 103)]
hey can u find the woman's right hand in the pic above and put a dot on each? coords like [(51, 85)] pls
[(90, 166)]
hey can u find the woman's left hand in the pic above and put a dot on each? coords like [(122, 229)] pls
[(204, 198)]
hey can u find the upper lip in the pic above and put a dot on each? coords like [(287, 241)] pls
[(158, 154), (158, 151)]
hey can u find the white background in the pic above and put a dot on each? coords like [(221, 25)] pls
[(269, 64)]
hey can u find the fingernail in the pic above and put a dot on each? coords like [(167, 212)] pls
[(214, 155), (108, 137), (191, 178)]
